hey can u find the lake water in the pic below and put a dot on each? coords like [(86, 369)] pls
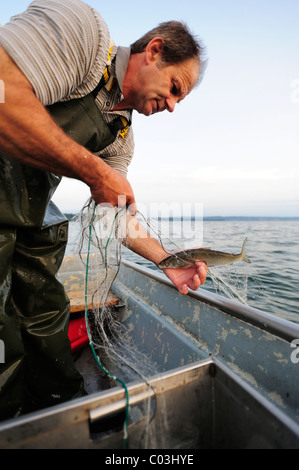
[(269, 283)]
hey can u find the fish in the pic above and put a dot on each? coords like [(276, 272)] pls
[(185, 258)]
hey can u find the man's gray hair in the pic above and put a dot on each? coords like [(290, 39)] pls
[(179, 44)]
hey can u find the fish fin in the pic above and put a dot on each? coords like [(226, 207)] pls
[(243, 254)]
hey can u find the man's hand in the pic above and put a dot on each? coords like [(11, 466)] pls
[(111, 187), (192, 276), (139, 241)]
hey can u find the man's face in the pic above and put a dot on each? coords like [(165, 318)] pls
[(160, 87)]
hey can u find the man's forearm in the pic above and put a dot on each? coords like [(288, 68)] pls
[(29, 134), (140, 241)]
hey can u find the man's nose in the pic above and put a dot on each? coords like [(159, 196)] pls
[(170, 104)]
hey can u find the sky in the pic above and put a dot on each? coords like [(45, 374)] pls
[(232, 146)]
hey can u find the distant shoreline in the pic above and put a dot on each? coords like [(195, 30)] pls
[(70, 216)]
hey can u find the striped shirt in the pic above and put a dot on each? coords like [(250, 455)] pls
[(62, 47)]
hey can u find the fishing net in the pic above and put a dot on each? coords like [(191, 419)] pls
[(229, 281), (103, 229)]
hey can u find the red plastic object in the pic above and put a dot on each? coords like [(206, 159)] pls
[(78, 334)]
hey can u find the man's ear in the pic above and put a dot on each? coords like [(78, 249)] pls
[(153, 51)]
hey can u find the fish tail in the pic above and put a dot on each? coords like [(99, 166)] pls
[(243, 254)]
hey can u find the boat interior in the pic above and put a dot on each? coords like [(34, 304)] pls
[(195, 391)]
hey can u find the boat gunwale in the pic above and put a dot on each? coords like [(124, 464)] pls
[(275, 325)]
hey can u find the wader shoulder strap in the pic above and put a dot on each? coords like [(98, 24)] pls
[(106, 77), (82, 120)]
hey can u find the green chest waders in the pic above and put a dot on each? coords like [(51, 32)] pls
[(38, 369)]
